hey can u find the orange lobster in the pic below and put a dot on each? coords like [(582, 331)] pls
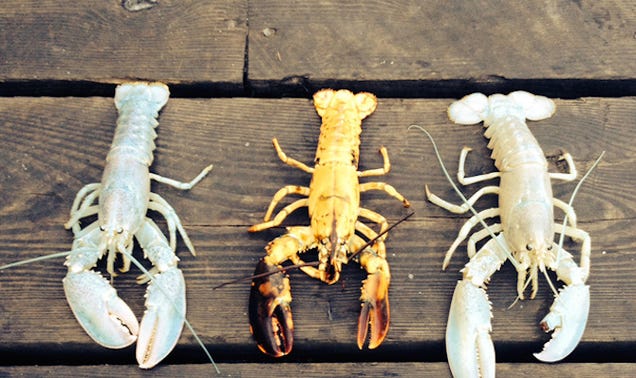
[(333, 201)]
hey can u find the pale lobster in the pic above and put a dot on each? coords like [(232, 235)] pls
[(525, 234), (333, 201), (124, 198)]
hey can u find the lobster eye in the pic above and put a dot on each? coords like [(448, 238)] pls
[(529, 247), (120, 230), (102, 227), (549, 247)]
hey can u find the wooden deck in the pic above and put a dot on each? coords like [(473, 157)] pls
[(242, 72)]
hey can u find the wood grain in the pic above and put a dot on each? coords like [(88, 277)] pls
[(376, 369), (415, 56), (54, 146), (101, 42), (405, 49)]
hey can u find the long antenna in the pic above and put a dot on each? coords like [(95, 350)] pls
[(35, 259), (407, 216), (313, 263), (461, 195), (261, 275), (574, 193)]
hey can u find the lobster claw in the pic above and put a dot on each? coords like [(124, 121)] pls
[(163, 320), (375, 312), (104, 316), (270, 314), (567, 317), (469, 347)]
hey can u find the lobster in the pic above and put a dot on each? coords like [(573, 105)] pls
[(525, 235), (124, 198), (333, 201)]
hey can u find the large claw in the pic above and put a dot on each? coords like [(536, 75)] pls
[(269, 311), (104, 316), (164, 317), (375, 312), (567, 317), (468, 345)]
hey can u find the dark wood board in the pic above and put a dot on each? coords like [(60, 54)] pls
[(433, 49), (222, 60), (101, 42), (54, 146), (375, 369)]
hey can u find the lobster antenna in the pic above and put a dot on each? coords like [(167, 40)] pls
[(574, 193), (261, 275), (517, 298), (35, 259), (464, 199), (550, 283), (365, 245), (313, 263)]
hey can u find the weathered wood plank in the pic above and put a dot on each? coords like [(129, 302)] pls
[(405, 49), (54, 146), (175, 42), (366, 369)]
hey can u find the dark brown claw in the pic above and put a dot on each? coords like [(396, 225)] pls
[(270, 315), (375, 312)]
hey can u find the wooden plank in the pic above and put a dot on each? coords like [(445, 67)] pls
[(405, 49), (56, 145), (174, 42), (375, 369)]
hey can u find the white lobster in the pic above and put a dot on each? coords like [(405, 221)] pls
[(124, 198), (525, 234)]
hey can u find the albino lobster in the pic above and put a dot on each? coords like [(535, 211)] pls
[(333, 200), (527, 230), (124, 198)]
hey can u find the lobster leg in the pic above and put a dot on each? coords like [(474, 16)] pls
[(157, 203), (390, 190), (471, 245), (469, 347), (471, 222), (571, 175), (290, 161), (375, 313), (94, 302), (180, 184), (567, 209), (163, 319), (85, 196), (82, 205), (369, 233), (463, 208), (586, 245), (465, 230), (461, 175), (270, 313), (280, 217), (280, 194), (386, 167)]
